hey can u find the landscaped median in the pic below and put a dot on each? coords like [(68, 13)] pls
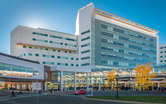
[(150, 99)]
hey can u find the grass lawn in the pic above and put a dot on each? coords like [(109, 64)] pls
[(152, 99)]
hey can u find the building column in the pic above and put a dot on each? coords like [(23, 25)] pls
[(61, 81), (46, 89), (75, 81), (158, 87), (87, 80)]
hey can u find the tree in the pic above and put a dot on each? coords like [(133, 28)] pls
[(144, 75), (110, 77)]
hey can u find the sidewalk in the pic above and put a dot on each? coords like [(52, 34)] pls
[(117, 101)]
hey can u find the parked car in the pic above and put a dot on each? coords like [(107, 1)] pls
[(80, 92)]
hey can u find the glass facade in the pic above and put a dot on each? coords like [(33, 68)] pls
[(115, 46), (14, 70)]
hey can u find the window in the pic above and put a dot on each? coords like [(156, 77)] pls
[(121, 50), (77, 59), (14, 70), (123, 38), (115, 63), (161, 60), (104, 26), (85, 38), (106, 34), (103, 62), (85, 32), (70, 39), (84, 45), (161, 47), (24, 46), (72, 58), (84, 58), (62, 57), (39, 40), (64, 64), (58, 37), (54, 42), (37, 55), (41, 34), (161, 51), (48, 56), (104, 40), (30, 47), (118, 43), (77, 65), (72, 64), (86, 51), (72, 45), (30, 54), (135, 47), (48, 63), (118, 30), (85, 64)]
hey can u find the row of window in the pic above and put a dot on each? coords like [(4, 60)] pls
[(126, 45), (46, 49), (128, 33), (52, 56), (110, 62), (52, 36), (15, 70), (59, 64), (162, 60), (162, 47), (54, 42), (126, 51), (127, 58), (162, 56), (162, 51), (136, 41), (127, 39)]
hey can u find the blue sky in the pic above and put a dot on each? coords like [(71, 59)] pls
[(60, 15)]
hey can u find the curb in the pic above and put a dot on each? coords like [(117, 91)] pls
[(118, 101)]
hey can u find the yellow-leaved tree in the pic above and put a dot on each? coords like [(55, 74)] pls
[(110, 77), (144, 75)]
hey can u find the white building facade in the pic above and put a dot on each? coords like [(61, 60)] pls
[(50, 48)]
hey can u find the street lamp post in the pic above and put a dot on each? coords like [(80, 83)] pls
[(117, 96)]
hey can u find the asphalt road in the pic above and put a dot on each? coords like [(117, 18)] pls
[(56, 99), (8, 93)]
